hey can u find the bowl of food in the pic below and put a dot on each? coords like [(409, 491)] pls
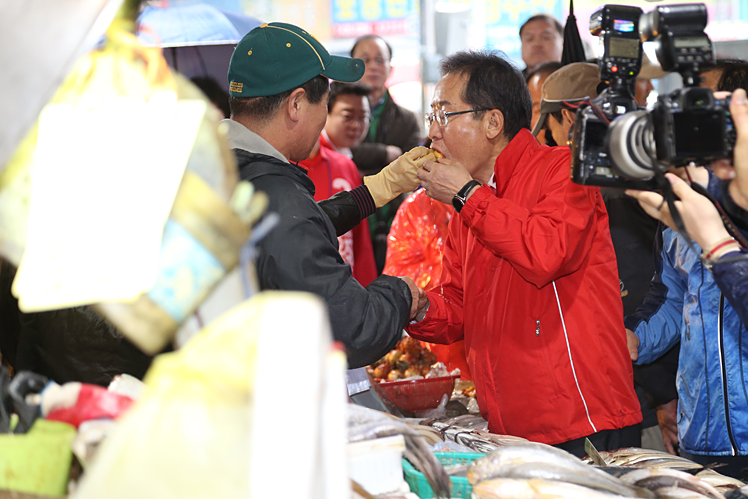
[(416, 395)]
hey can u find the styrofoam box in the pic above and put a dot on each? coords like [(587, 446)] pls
[(377, 464)]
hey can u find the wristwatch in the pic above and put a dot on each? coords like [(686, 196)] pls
[(459, 200)]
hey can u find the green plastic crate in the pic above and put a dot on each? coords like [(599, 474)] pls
[(460, 485)]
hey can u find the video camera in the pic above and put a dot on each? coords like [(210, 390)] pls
[(618, 29), (687, 125)]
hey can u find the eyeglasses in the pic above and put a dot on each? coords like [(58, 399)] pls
[(349, 118), (379, 60), (442, 117)]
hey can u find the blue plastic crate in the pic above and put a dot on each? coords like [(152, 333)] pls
[(460, 485)]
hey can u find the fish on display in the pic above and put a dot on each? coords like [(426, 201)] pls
[(645, 458), (368, 424), (478, 440), (661, 480), (534, 488), (544, 462), (719, 481)]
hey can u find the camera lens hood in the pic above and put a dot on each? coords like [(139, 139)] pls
[(629, 142)]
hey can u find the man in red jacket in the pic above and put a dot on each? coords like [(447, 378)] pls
[(530, 279)]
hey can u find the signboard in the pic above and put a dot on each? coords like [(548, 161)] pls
[(353, 18)]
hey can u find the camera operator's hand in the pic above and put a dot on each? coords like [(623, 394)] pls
[(443, 178), (739, 112), (667, 418), (700, 217), (632, 342)]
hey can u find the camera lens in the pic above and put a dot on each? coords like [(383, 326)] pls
[(648, 26), (631, 145)]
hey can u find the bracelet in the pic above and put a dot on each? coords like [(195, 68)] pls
[(726, 242)]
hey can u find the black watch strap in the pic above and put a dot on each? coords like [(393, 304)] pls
[(459, 200)]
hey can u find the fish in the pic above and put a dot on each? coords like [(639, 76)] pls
[(741, 493), (368, 424), (534, 460), (719, 481), (645, 458), (656, 479), (533, 488), (478, 440)]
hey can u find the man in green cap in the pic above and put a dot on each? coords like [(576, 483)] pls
[(279, 84)]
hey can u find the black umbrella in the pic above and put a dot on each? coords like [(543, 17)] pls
[(573, 47)]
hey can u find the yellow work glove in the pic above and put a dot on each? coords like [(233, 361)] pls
[(399, 176)]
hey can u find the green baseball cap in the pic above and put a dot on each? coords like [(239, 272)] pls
[(276, 57)]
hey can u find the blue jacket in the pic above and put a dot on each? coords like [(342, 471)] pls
[(713, 368)]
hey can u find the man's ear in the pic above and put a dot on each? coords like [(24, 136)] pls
[(569, 116), (295, 103), (493, 121)]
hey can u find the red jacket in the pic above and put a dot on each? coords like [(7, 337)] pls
[(530, 282), (331, 173)]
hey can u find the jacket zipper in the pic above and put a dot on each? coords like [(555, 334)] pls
[(724, 370), (537, 328)]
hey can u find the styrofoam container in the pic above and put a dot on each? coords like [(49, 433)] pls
[(376, 464)]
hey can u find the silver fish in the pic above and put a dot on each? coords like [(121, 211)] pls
[(719, 481), (368, 424), (655, 479), (535, 460), (534, 488)]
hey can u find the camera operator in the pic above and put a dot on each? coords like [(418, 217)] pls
[(702, 220), (694, 311)]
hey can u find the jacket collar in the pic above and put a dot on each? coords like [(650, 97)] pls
[(516, 155), (241, 137)]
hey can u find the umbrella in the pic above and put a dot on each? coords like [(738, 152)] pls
[(573, 47), (199, 24), (198, 40)]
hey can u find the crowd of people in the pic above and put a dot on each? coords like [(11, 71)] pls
[(541, 290)]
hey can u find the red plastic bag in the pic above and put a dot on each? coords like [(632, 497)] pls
[(414, 248), (75, 403)]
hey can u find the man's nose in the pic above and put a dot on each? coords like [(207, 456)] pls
[(435, 131)]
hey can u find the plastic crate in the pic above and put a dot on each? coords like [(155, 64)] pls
[(460, 486)]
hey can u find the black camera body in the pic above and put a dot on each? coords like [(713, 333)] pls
[(690, 125), (617, 27)]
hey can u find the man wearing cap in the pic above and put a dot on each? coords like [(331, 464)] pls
[(278, 81), (560, 95), (529, 275), (632, 231)]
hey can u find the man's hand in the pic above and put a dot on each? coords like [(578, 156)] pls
[(418, 297), (398, 177), (667, 417), (632, 342), (739, 112), (700, 217), (443, 178)]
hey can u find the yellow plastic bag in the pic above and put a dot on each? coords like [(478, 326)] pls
[(215, 418)]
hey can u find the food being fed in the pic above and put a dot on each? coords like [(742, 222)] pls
[(438, 154)]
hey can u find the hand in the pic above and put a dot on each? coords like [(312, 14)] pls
[(739, 111), (398, 177), (632, 342), (418, 296), (667, 417), (443, 178), (393, 152), (700, 217)]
